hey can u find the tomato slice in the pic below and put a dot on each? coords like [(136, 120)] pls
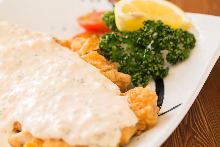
[(93, 22)]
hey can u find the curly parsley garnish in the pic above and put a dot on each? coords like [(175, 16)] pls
[(143, 53)]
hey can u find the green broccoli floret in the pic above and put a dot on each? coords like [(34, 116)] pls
[(143, 53)]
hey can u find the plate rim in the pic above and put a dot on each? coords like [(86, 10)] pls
[(188, 104)]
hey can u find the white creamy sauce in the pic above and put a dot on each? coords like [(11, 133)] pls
[(53, 93)]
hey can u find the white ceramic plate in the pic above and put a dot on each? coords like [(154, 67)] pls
[(184, 81)]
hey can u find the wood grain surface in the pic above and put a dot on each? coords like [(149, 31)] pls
[(201, 125)]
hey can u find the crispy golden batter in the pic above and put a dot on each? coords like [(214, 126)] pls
[(107, 69), (82, 43), (143, 102), (86, 45)]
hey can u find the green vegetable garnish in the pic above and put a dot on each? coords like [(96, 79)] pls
[(143, 53), (109, 19)]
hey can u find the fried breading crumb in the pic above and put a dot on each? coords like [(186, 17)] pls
[(143, 102), (107, 69)]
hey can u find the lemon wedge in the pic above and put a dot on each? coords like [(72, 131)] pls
[(130, 14)]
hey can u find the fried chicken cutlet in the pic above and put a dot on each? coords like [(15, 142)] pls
[(142, 101)]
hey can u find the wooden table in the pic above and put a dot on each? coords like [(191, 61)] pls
[(201, 126)]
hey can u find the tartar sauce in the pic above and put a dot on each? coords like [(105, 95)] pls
[(53, 93)]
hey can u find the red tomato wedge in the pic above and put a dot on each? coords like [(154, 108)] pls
[(93, 22)]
